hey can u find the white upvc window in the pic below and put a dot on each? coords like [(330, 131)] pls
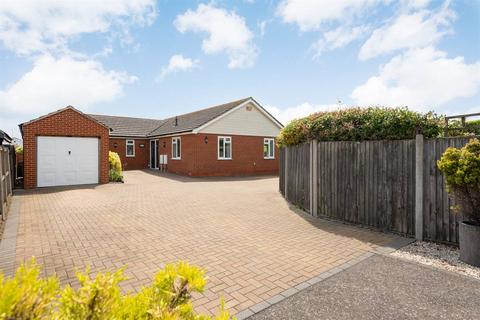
[(224, 148), (130, 148), (176, 148), (269, 148)]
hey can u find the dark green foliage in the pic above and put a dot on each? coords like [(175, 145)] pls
[(357, 124), (471, 128)]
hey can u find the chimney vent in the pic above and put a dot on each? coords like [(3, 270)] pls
[(176, 122)]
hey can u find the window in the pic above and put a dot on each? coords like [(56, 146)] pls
[(130, 150), (176, 148), (224, 148), (268, 148)]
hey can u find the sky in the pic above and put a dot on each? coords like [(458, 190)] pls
[(155, 59)]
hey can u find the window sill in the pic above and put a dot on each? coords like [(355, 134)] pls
[(269, 158), (224, 159), (130, 156), (176, 158)]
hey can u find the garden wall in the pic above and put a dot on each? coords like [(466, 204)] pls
[(382, 184)]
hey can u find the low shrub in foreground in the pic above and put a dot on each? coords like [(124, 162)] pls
[(357, 124), (115, 167), (27, 296)]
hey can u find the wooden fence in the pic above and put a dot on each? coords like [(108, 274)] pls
[(382, 184), (6, 181)]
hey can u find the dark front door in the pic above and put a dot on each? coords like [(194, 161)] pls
[(154, 154)]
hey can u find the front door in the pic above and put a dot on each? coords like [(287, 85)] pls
[(154, 154)]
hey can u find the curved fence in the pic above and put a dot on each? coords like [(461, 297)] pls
[(391, 185)]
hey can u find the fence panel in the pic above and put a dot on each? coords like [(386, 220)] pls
[(5, 180), (370, 183), (281, 171), (440, 223), (298, 175)]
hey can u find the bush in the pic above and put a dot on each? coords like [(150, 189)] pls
[(115, 171), (471, 128), (461, 169), (357, 124), (26, 296), (19, 150)]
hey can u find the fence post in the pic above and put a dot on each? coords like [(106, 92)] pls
[(419, 141), (285, 176), (313, 178)]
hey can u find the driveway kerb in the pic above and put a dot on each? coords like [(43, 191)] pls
[(395, 244)]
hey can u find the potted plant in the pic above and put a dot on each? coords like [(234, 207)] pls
[(461, 168)]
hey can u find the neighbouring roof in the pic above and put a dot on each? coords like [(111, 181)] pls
[(128, 127), (189, 121), (4, 137)]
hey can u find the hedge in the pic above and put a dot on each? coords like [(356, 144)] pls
[(357, 124)]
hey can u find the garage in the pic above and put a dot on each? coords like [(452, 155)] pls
[(64, 148), (65, 161)]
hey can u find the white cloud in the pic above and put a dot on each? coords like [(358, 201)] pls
[(177, 63), (338, 38), (311, 14), (55, 83), (420, 78), (34, 26), (227, 32), (300, 111), (419, 29)]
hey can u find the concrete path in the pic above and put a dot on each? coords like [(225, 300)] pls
[(383, 287), (252, 244)]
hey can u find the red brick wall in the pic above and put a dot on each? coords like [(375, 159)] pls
[(141, 159), (200, 159), (66, 123)]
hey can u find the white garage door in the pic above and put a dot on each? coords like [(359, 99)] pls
[(63, 161)]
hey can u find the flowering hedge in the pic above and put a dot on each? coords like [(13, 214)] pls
[(357, 124)]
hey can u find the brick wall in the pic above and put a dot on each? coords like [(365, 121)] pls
[(67, 123), (141, 160), (201, 159)]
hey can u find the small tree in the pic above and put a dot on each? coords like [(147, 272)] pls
[(461, 168)]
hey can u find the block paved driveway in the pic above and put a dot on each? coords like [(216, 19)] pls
[(240, 230)]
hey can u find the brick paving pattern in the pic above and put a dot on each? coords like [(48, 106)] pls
[(241, 231)]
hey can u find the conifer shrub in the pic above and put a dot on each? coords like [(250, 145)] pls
[(115, 167)]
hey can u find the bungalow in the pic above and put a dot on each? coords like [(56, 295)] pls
[(68, 147)]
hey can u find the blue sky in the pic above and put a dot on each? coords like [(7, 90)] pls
[(155, 59)]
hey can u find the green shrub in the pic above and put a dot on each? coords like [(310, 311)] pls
[(26, 296), (115, 171), (471, 128), (19, 150), (357, 124), (461, 169), (114, 176)]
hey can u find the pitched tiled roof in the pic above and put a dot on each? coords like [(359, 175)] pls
[(127, 126), (189, 121)]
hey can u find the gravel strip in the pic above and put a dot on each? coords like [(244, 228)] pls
[(437, 255)]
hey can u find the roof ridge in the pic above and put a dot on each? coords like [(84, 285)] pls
[(106, 115), (208, 108)]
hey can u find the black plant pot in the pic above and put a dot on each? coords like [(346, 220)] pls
[(470, 243)]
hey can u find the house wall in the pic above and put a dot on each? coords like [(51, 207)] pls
[(201, 159), (67, 123), (247, 121), (142, 155)]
